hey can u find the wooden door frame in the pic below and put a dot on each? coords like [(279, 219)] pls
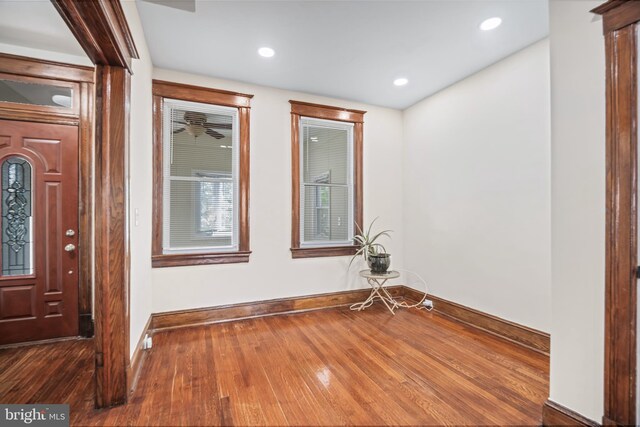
[(81, 115), (620, 18), (102, 30)]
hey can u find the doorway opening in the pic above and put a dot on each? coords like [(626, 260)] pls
[(46, 215)]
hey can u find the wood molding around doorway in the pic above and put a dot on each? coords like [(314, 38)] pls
[(81, 80), (102, 30), (620, 24)]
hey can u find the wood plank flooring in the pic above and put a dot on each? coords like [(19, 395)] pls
[(327, 367)]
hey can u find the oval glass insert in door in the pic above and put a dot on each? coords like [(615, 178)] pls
[(17, 220)]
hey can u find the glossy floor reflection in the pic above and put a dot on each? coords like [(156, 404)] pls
[(326, 367)]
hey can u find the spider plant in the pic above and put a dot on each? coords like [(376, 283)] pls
[(367, 243)]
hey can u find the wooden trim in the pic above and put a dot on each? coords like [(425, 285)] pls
[(621, 229), (111, 239), (305, 109), (323, 252), (137, 360), (518, 334), (102, 30), (177, 260), (358, 181), (243, 185), (162, 89), (327, 112), (620, 25), (205, 95), (156, 236), (295, 182), (85, 214), (618, 14), (225, 313), (620, 21), (554, 414), (528, 337), (32, 67)]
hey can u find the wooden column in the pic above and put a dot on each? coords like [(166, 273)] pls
[(621, 232), (102, 30), (620, 29), (111, 238)]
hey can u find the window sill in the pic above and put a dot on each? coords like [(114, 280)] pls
[(179, 260), (323, 251)]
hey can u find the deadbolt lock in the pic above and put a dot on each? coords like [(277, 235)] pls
[(70, 233)]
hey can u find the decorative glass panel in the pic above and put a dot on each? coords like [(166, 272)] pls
[(17, 220), (35, 94)]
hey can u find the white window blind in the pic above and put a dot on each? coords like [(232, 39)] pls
[(200, 194), (326, 181)]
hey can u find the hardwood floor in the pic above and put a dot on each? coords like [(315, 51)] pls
[(325, 367)]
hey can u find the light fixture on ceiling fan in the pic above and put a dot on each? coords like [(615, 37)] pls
[(195, 124)]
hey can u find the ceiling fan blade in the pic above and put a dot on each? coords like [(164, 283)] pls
[(214, 134), (179, 130), (217, 125)]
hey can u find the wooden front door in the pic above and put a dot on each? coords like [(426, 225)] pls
[(38, 231)]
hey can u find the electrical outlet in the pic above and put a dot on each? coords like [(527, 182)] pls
[(147, 343)]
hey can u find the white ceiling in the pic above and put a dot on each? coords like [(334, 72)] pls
[(36, 24), (344, 49)]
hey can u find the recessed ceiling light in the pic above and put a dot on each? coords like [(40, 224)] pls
[(491, 23), (266, 52), (401, 81)]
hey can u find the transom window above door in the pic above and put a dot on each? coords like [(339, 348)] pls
[(201, 170)]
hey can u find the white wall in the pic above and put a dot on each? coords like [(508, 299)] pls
[(477, 189), (271, 272), (45, 54), (140, 182), (578, 206)]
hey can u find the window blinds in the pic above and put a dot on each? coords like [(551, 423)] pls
[(326, 193), (200, 153)]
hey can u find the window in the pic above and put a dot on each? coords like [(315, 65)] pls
[(201, 176), (215, 219), (327, 179), (17, 219)]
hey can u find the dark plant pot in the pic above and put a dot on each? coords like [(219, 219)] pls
[(379, 264)]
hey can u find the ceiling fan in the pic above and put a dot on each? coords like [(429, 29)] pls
[(195, 123)]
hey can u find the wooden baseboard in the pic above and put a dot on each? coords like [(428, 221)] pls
[(531, 338), (40, 342), (554, 414), (519, 334), (137, 360), (205, 316)]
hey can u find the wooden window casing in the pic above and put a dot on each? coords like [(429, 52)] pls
[(161, 90), (317, 111)]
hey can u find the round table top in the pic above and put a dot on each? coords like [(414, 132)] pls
[(388, 275)]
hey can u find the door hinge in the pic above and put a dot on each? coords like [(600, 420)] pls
[(99, 362), (638, 272)]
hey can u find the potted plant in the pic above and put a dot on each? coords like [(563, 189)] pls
[(374, 253)]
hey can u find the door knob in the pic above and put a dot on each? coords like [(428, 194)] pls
[(70, 247)]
